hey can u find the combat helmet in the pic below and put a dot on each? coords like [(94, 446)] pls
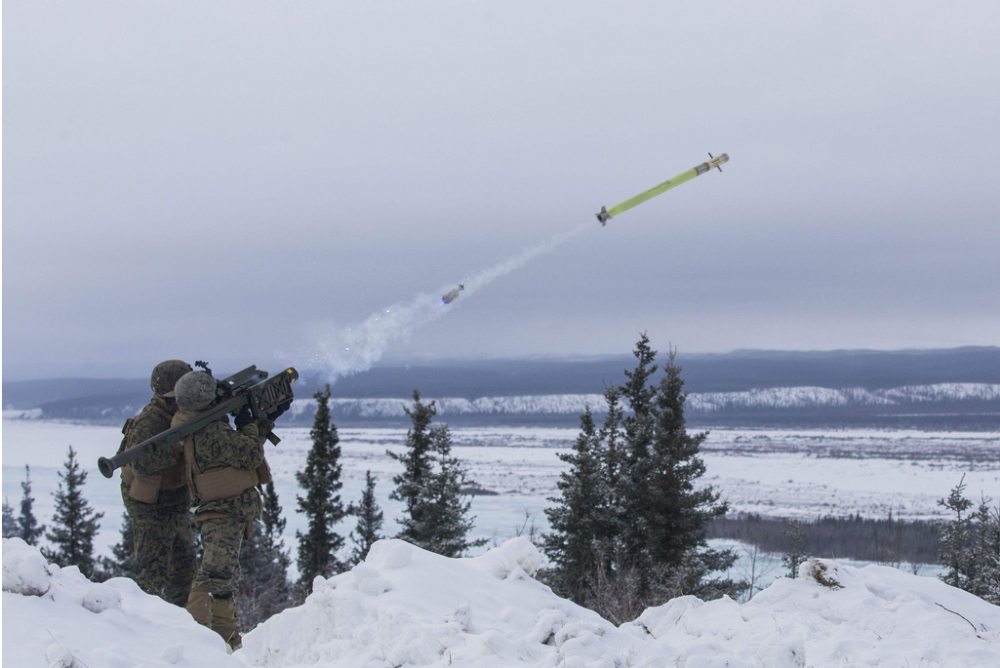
[(195, 391), (165, 376)]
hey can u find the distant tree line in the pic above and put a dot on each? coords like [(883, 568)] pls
[(887, 540)]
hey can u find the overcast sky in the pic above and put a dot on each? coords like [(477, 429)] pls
[(218, 180)]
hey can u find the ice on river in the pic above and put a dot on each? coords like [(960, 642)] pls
[(801, 473)]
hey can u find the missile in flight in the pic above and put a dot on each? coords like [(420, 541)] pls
[(714, 163), (451, 295)]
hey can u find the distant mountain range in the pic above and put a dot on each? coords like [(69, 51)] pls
[(952, 388)]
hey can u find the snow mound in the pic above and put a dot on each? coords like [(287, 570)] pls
[(55, 617), (833, 615), (407, 607)]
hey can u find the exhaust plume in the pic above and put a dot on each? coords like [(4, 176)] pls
[(345, 351)]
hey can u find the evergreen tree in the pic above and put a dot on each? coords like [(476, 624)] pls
[(264, 561), (632, 493), (435, 515), (274, 523), (322, 505), (793, 557), (369, 521), (953, 537), (631, 497), (984, 553), (610, 438), (31, 531), (418, 463), (75, 523), (581, 519), (10, 526), (677, 512), (122, 562), (447, 522)]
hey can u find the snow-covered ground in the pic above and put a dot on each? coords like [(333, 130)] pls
[(405, 607), (56, 618), (803, 473)]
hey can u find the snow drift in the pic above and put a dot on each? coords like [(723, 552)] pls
[(407, 607), (56, 618)]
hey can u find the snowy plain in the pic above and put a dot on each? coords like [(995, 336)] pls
[(404, 607), (782, 473)]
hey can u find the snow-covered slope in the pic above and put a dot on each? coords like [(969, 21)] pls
[(405, 607), (56, 618), (408, 607)]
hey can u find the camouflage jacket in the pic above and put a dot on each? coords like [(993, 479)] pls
[(146, 424), (218, 444)]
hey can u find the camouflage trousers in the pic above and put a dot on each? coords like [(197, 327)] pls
[(164, 550), (219, 571)]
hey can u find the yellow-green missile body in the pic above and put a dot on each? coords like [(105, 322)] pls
[(684, 177)]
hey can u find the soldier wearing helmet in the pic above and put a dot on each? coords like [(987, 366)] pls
[(156, 497), (223, 469)]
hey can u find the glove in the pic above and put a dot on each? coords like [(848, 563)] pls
[(243, 418), (279, 411)]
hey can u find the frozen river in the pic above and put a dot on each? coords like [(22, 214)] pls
[(801, 473)]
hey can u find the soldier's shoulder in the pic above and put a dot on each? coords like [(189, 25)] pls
[(218, 428), (146, 424)]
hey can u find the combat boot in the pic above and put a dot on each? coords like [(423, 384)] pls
[(224, 620), (199, 604)]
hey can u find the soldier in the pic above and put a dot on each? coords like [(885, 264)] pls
[(156, 497), (223, 469)]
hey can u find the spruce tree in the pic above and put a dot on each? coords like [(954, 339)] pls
[(581, 519), (632, 497), (31, 530), (75, 523), (984, 553), (274, 523), (122, 562), (264, 561), (632, 490), (953, 537), (794, 556), (447, 523), (322, 505), (10, 527), (430, 486), (418, 462), (678, 511), (610, 438), (369, 521)]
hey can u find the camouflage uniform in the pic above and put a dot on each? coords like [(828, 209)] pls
[(226, 522), (163, 537)]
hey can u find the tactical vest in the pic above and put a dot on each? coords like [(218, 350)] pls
[(146, 488), (217, 482)]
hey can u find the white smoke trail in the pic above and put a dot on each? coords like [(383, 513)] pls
[(348, 350)]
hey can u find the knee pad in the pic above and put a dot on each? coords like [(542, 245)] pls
[(199, 604)]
